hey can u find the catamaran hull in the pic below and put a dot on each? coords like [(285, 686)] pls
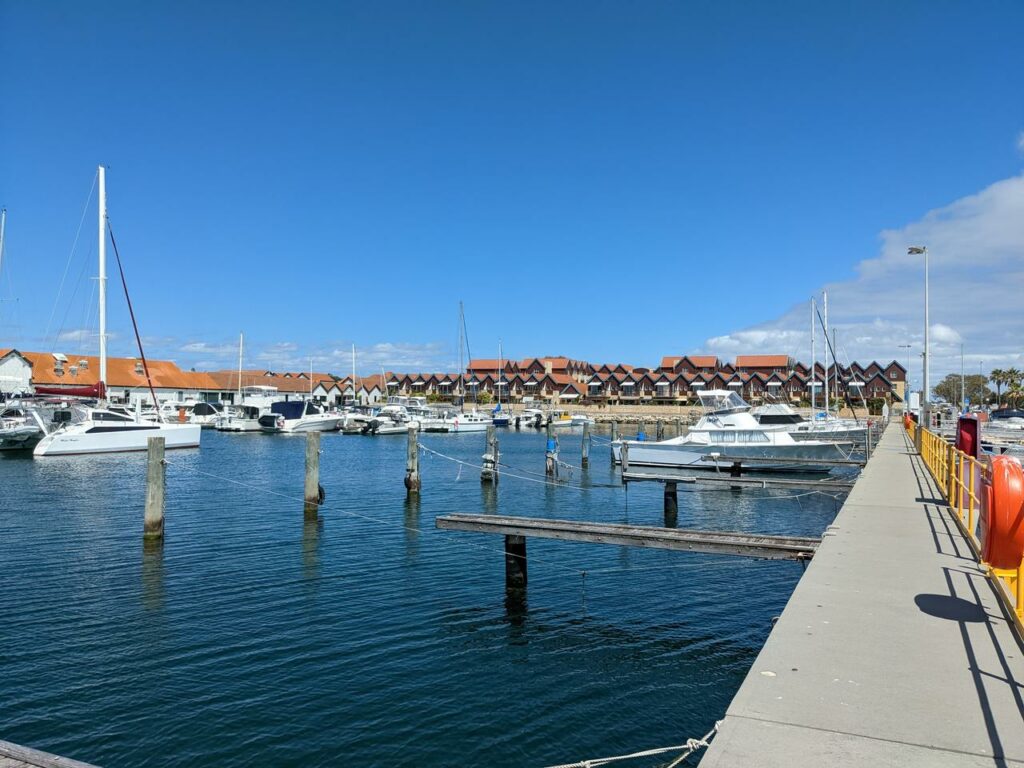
[(19, 438), (100, 439), (650, 454)]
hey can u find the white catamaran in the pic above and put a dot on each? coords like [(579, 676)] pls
[(97, 429)]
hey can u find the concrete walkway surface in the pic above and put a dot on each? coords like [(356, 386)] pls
[(894, 649)]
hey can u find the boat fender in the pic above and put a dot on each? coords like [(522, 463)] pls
[(1001, 519), (321, 494)]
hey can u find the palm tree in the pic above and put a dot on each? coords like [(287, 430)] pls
[(1013, 382), (998, 377)]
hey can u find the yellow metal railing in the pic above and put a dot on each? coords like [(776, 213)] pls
[(959, 477)]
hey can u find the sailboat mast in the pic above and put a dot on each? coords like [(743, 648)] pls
[(501, 373), (814, 372), (102, 249), (824, 306), (355, 392), (462, 391), (240, 339), (3, 226)]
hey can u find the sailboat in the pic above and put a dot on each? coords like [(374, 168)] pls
[(84, 429), (462, 421)]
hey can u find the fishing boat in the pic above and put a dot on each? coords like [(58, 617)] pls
[(560, 419), (97, 429), (728, 430), (292, 416)]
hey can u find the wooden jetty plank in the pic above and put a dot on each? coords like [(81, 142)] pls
[(679, 539), (37, 758), (679, 476)]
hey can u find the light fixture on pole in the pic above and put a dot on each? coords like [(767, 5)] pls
[(918, 250)]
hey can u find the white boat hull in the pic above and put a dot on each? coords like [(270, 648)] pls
[(96, 438), (692, 455)]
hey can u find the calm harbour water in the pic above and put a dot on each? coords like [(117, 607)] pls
[(366, 637)]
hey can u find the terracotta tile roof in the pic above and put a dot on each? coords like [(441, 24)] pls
[(762, 361), (670, 361), (121, 373), (703, 361)]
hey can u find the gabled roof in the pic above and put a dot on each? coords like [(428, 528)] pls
[(703, 361), (120, 373), (762, 361)]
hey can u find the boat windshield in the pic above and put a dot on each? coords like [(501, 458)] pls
[(722, 401)]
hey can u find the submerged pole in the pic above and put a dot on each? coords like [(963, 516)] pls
[(312, 487), (585, 457), (412, 466), (671, 504), (156, 476), (515, 563)]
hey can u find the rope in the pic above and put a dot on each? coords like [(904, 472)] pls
[(691, 746)]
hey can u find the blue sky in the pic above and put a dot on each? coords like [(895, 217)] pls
[(610, 181)]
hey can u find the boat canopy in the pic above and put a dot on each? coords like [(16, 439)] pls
[(290, 409), (722, 401)]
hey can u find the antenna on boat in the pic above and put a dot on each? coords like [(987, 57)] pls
[(102, 248), (240, 338)]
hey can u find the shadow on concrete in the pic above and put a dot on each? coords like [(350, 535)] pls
[(948, 607)]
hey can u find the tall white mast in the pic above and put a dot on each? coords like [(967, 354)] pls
[(240, 338), (462, 392), (814, 372), (3, 225), (824, 306), (355, 392), (102, 248)]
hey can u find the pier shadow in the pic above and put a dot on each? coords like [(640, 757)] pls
[(153, 574), (950, 608)]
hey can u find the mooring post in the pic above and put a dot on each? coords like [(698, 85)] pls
[(659, 430), (312, 490), (585, 457), (412, 466), (615, 437), (671, 504), (641, 431), (679, 426), (489, 471), (156, 475), (551, 453), (735, 471), (515, 563), (867, 441), (624, 458)]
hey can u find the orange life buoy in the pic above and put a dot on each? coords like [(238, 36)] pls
[(181, 415), (1001, 522)]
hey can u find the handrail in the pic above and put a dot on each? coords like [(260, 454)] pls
[(959, 477)]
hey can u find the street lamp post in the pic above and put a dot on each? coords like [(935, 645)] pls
[(917, 250)]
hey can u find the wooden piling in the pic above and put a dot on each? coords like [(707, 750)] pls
[(679, 427), (551, 453), (515, 563), (156, 483), (659, 430), (624, 458), (412, 466), (312, 489), (671, 504), (641, 431), (585, 457), (489, 471), (867, 441), (615, 437)]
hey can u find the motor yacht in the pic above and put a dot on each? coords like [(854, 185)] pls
[(80, 429), (239, 418), (298, 416), (728, 430), (474, 421), (823, 427)]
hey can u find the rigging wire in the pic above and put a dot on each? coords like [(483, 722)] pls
[(67, 265)]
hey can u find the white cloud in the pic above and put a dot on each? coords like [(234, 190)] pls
[(203, 348), (77, 335), (976, 259)]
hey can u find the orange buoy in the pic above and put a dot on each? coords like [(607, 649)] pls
[(1001, 522), (181, 415)]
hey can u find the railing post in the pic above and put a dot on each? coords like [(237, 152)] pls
[(156, 477), (918, 435), (951, 473)]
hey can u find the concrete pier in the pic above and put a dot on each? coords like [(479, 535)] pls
[(894, 649)]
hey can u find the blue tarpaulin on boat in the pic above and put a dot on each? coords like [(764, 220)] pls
[(290, 410)]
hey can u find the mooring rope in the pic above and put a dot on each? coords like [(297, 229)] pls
[(691, 746)]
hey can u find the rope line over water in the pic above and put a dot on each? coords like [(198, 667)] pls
[(691, 746)]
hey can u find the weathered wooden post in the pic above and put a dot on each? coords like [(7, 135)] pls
[(312, 489), (735, 471), (156, 476), (515, 563), (615, 437), (679, 426), (641, 433), (671, 504), (551, 453), (412, 466), (867, 441), (659, 430), (489, 471), (585, 457), (624, 458)]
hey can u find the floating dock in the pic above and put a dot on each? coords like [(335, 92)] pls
[(17, 756), (894, 650)]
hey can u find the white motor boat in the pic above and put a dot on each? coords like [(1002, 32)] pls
[(83, 429), (298, 416), (239, 418), (470, 422), (579, 419), (783, 417), (206, 415), (355, 422), (728, 430), (560, 419), (392, 420), (530, 417), (21, 427)]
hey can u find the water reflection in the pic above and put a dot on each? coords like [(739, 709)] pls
[(312, 526), (153, 573), (412, 526)]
